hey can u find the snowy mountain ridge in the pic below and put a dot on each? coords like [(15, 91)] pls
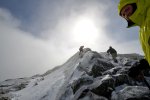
[(88, 76)]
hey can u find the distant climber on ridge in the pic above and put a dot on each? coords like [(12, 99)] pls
[(113, 53), (81, 50)]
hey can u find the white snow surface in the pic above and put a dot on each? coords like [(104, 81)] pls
[(48, 88)]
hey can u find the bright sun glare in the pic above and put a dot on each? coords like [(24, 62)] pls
[(85, 31)]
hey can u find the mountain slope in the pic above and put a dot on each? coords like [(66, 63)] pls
[(89, 76)]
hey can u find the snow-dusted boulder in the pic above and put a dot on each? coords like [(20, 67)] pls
[(91, 96), (80, 82), (132, 93)]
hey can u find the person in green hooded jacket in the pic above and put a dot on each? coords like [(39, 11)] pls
[(137, 13)]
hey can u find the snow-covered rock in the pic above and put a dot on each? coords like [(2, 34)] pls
[(132, 93), (88, 76)]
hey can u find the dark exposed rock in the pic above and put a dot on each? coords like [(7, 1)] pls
[(100, 67), (35, 84), (96, 71), (88, 95), (105, 65), (123, 70), (142, 98), (105, 88), (84, 93), (112, 71), (5, 98), (133, 93), (20, 86), (121, 79), (129, 63), (80, 82)]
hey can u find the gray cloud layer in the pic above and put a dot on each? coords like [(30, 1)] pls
[(48, 40), (22, 54)]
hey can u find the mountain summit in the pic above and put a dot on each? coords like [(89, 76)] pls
[(86, 76)]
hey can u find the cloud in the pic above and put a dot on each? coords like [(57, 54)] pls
[(7, 19), (56, 19), (22, 54), (50, 13)]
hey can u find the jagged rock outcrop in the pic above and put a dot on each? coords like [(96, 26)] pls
[(99, 78), (88, 76), (132, 93), (12, 85)]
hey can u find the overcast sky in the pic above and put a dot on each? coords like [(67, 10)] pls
[(37, 35)]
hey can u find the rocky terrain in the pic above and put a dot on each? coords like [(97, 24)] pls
[(88, 76)]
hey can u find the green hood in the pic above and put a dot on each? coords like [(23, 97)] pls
[(122, 3), (138, 16)]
